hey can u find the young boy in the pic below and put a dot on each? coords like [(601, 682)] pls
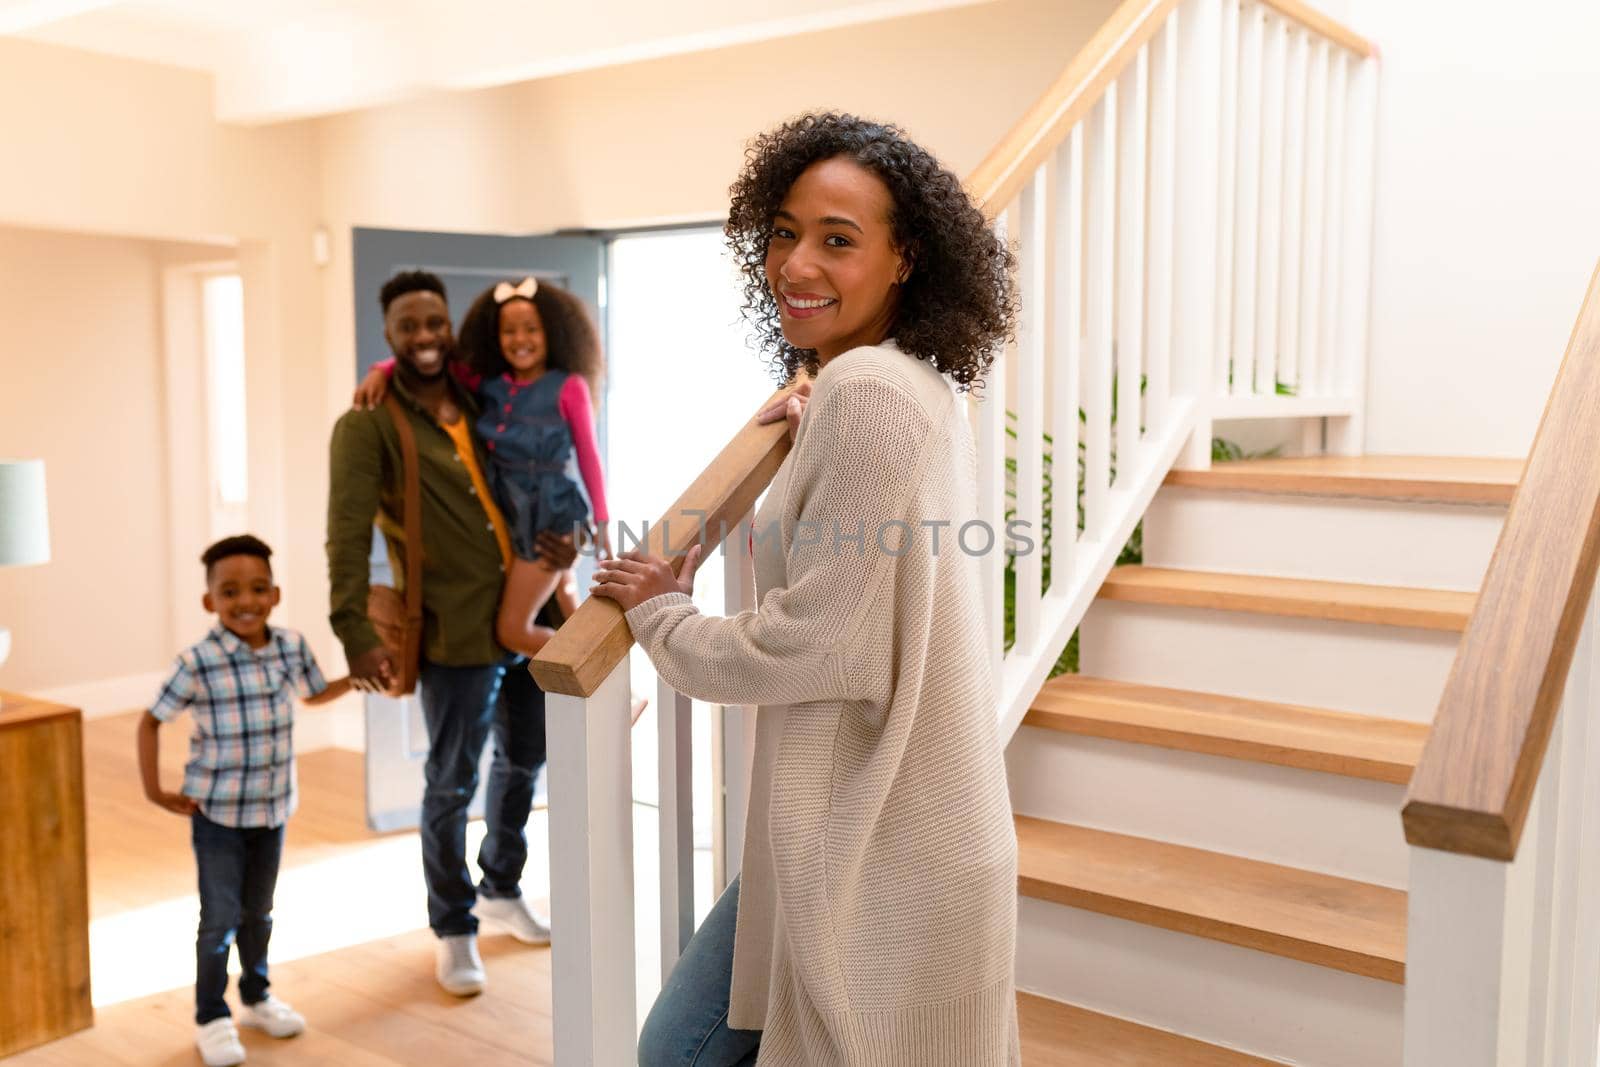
[(239, 683)]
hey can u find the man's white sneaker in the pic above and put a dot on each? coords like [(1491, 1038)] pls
[(516, 917), (274, 1017), (459, 967), (218, 1042)]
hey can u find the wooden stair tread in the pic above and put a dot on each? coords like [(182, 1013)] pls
[(1317, 918), (1064, 1035), (1334, 742), (1452, 479), (1381, 605)]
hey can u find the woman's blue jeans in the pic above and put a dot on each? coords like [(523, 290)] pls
[(688, 1025)]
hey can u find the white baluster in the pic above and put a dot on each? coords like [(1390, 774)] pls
[(990, 413), (1163, 135), (591, 875), (675, 815), (1227, 196), (1132, 114), (1247, 205), (1200, 357), (1101, 226), (736, 738), (1309, 378), (1294, 196), (1034, 281), (1273, 89), (1346, 435), (1332, 226), (1543, 852), (1066, 365)]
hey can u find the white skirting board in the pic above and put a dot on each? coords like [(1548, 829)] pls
[(107, 696), (335, 725)]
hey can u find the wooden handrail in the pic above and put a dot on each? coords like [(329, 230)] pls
[(591, 643), (1006, 170), (1321, 24), (1472, 790), (596, 638)]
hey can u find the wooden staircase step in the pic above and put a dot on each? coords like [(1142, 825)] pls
[(1302, 915), (1381, 605), (1063, 1035), (1451, 479), (1334, 742)]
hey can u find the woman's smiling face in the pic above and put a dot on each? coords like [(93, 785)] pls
[(522, 339), (832, 264)]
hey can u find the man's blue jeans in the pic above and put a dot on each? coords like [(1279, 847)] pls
[(462, 707), (688, 1025), (238, 871)]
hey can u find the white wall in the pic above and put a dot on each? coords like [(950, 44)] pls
[(1487, 220), (84, 393), (122, 149)]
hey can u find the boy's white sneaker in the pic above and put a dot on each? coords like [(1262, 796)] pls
[(515, 916), (274, 1017), (218, 1042), (458, 966)]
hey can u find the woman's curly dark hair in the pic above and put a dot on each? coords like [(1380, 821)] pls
[(572, 342), (959, 305)]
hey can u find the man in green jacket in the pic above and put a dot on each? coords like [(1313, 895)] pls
[(469, 685)]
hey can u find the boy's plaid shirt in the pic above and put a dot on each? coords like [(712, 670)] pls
[(241, 754)]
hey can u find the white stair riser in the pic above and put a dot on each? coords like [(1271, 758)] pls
[(1320, 822), (1252, 1001), (1389, 671), (1421, 545)]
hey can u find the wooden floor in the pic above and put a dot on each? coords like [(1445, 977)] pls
[(373, 1003)]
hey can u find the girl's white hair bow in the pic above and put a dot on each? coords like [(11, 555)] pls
[(525, 289)]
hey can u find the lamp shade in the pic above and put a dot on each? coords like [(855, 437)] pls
[(24, 522)]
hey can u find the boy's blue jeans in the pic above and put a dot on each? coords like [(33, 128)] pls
[(462, 707), (238, 871)]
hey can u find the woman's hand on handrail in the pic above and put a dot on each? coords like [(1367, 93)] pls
[(791, 407), (633, 577)]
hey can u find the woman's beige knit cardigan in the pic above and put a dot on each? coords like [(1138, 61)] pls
[(877, 910)]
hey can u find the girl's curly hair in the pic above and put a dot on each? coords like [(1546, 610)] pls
[(959, 305), (572, 342)]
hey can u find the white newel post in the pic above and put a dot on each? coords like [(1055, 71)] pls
[(1503, 959), (1467, 929), (1347, 435), (591, 875), (1195, 252)]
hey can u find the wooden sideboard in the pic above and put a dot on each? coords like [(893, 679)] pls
[(44, 888)]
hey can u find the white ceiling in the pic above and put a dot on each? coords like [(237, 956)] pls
[(296, 58)]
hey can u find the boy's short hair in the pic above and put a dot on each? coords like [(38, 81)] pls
[(239, 545), (410, 281)]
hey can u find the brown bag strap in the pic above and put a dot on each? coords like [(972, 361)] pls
[(413, 509)]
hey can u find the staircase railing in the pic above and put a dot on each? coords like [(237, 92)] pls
[(1191, 207), (1503, 934)]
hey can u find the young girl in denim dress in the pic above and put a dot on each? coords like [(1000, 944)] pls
[(530, 354)]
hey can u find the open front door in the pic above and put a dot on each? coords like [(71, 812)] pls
[(396, 737)]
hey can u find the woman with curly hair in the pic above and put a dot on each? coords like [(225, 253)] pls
[(874, 921), (532, 359)]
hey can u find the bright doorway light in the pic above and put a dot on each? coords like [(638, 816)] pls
[(222, 310)]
